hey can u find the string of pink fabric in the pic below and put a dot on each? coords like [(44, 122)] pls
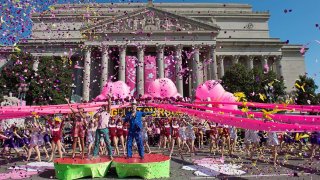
[(240, 122), (24, 111), (283, 118)]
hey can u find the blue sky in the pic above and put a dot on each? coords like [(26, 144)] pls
[(297, 26)]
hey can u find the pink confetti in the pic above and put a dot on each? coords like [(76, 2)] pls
[(20, 174)]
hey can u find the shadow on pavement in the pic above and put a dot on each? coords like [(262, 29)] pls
[(47, 174)]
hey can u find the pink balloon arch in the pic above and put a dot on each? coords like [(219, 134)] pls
[(118, 89)]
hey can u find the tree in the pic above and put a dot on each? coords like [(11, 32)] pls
[(266, 83), (49, 85), (237, 79), (253, 83), (306, 91)]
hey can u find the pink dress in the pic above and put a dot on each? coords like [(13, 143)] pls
[(78, 127)]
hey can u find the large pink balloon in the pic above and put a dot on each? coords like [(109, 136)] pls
[(154, 88), (230, 107), (118, 89), (101, 97), (145, 96), (163, 87), (212, 89), (177, 96), (228, 97)]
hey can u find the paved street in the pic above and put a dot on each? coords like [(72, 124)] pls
[(294, 167)]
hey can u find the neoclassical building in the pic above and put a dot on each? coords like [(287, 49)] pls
[(138, 42)]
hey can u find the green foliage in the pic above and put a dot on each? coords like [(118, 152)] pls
[(306, 91), (252, 83), (237, 79), (49, 85)]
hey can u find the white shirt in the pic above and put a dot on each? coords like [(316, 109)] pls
[(103, 120)]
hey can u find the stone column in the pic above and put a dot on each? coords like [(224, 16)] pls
[(122, 65), (221, 66), (179, 76), (160, 61), (86, 75), (213, 63), (196, 67), (264, 61), (140, 71), (35, 64), (205, 68), (279, 66), (104, 66), (235, 59), (250, 62)]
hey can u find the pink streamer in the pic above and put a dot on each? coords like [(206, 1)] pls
[(243, 123), (292, 119), (44, 110), (304, 108), (17, 174)]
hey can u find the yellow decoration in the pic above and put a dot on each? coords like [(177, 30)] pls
[(57, 119), (262, 96), (271, 83), (245, 109), (35, 115), (267, 114), (251, 116), (17, 49), (300, 86), (300, 136), (240, 96)]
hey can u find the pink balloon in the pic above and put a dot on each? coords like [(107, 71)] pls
[(146, 96), (106, 89), (212, 89), (118, 89), (163, 87), (202, 92), (154, 88), (228, 97), (230, 107), (177, 96), (101, 97)]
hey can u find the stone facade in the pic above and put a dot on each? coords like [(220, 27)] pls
[(218, 35)]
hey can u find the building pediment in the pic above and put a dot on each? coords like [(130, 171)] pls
[(150, 19)]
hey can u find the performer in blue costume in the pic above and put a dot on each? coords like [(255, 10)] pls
[(135, 130)]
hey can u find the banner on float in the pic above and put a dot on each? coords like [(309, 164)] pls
[(131, 62), (163, 113), (170, 68), (150, 71)]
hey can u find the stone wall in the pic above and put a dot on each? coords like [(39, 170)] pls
[(292, 65)]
